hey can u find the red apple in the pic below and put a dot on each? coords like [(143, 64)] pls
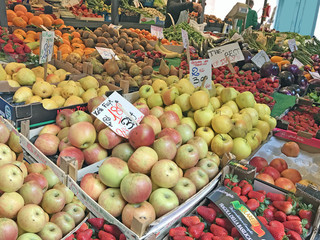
[(165, 147), (169, 119), (112, 201), (4, 133), (153, 122), (285, 183), (64, 221), (82, 134), (279, 164), (63, 117), (11, 178), (8, 229), (184, 189), (53, 201), (50, 128), (75, 211), (94, 153), (64, 143), (274, 173), (142, 160), (95, 102), (47, 143), (292, 174), (36, 167), (157, 111), (258, 162), (198, 176), (265, 177), (173, 133), (31, 218), (72, 152), (31, 192), (98, 125), (92, 185), (108, 139), (142, 107), (39, 178), (142, 135), (10, 204)]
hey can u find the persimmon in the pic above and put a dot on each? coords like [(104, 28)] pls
[(290, 149), (19, 36), (11, 15), (29, 15), (46, 21), (25, 18), (20, 32), (20, 13), (62, 26), (20, 7), (19, 22), (58, 33), (75, 34), (37, 36), (58, 21), (36, 20), (76, 40)]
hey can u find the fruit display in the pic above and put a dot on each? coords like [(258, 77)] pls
[(86, 10)]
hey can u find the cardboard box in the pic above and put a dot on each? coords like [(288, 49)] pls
[(77, 227), (173, 48)]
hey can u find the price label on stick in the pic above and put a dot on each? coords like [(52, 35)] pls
[(157, 31), (185, 38), (260, 58), (297, 62), (219, 55), (106, 53), (46, 46), (118, 114), (201, 73), (292, 45)]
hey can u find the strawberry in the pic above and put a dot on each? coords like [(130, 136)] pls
[(217, 209), (242, 183), (276, 196), (230, 180), (256, 195), (268, 214), (252, 204), (235, 233), (263, 220), (293, 218), (225, 223), (295, 225), (292, 235), (276, 229), (71, 237), (237, 190), (280, 216), (206, 236), (218, 231), (113, 229), (182, 238), (243, 198), (284, 206), (306, 213), (82, 228), (85, 235), (96, 222), (122, 237), (207, 213), (105, 236), (189, 221), (222, 238), (196, 230), (246, 189), (178, 231)]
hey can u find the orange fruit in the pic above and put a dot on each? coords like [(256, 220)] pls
[(11, 15), (37, 36), (58, 22), (62, 26), (76, 45), (24, 17), (66, 41), (20, 13), (31, 32), (29, 15), (66, 35), (36, 20), (64, 56), (65, 50), (10, 24), (71, 28), (20, 32), (36, 51), (55, 49), (20, 7), (58, 33), (47, 21), (19, 22), (75, 34), (77, 40), (51, 18)]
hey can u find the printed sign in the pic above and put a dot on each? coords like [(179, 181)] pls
[(118, 114), (185, 38), (157, 31), (106, 53), (292, 45), (314, 75), (117, 27), (46, 46), (201, 73), (297, 62), (260, 58), (236, 37), (218, 55)]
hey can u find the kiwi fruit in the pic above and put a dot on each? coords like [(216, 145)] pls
[(128, 47), (134, 70), (93, 37), (89, 42), (148, 47), (147, 71), (136, 46), (102, 40), (129, 64), (122, 42), (100, 44), (119, 50), (85, 34), (144, 43), (141, 64), (115, 45), (106, 35), (80, 31), (105, 27), (117, 78), (110, 40), (112, 32), (134, 35), (98, 32)]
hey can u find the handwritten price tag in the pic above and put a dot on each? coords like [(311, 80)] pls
[(292, 45), (106, 53), (185, 38), (157, 31), (260, 58), (117, 27), (218, 55), (201, 73), (46, 46), (118, 114), (314, 75), (297, 62)]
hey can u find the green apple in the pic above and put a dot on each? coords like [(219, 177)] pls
[(244, 116), (264, 127), (213, 157), (186, 132), (232, 105), (221, 124), (185, 86), (183, 101), (190, 114), (145, 91), (253, 114), (203, 117), (271, 120), (172, 80), (212, 91), (219, 88), (228, 94), (169, 95), (262, 109), (190, 121), (199, 99), (221, 144), (225, 110), (175, 108), (141, 100), (215, 102), (253, 139), (159, 85), (154, 100), (245, 100), (206, 133), (241, 149), (239, 128)]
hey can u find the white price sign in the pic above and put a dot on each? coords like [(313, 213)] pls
[(314, 75), (292, 45), (117, 27), (297, 62), (106, 53), (118, 114), (157, 31), (201, 73), (46, 46), (219, 55), (260, 58), (185, 38)]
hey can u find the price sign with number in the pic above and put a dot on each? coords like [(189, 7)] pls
[(297, 62), (157, 31), (185, 38), (118, 114), (292, 45), (219, 55), (260, 58), (201, 73), (106, 53), (46, 46)]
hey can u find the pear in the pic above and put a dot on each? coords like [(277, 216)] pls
[(63, 83), (89, 82), (39, 71), (14, 143), (42, 89), (9, 77), (102, 90), (22, 94), (13, 67), (61, 73), (171, 80), (33, 99), (26, 77), (51, 68), (185, 86), (56, 91), (111, 67), (49, 104), (73, 100), (13, 83), (3, 74), (70, 89), (58, 100), (228, 94), (164, 69), (81, 91), (90, 93)]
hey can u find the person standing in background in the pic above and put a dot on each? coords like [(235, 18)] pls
[(252, 18)]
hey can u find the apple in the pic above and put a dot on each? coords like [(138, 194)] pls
[(142, 160), (77, 201), (136, 187), (270, 120), (169, 119), (35, 167), (189, 121), (79, 116), (63, 118), (156, 111), (184, 189), (209, 166), (224, 110), (94, 153), (213, 157), (22, 166), (186, 132), (153, 122), (53, 201), (253, 139), (215, 103), (245, 100), (241, 149), (163, 201), (68, 194), (290, 173), (187, 156), (75, 211), (123, 151), (169, 95), (232, 105), (227, 94), (4, 133), (290, 149), (262, 109), (264, 127), (142, 135), (159, 85), (93, 103), (258, 162), (173, 133), (108, 139), (165, 173), (279, 164), (253, 114), (141, 100), (72, 152), (112, 201), (200, 144), (205, 133), (141, 211), (198, 176), (199, 99), (14, 143), (92, 185), (221, 124), (11, 178), (31, 192), (82, 134), (50, 231), (64, 143), (142, 107), (286, 184), (274, 173), (64, 221), (8, 229), (175, 108), (10, 204), (265, 177), (39, 178), (98, 125), (51, 177), (165, 147), (155, 100), (50, 128), (239, 129), (245, 117), (183, 101), (31, 218), (112, 171), (47, 143), (29, 236), (145, 91), (221, 144)]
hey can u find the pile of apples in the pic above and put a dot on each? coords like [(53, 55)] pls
[(34, 204), (229, 121)]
